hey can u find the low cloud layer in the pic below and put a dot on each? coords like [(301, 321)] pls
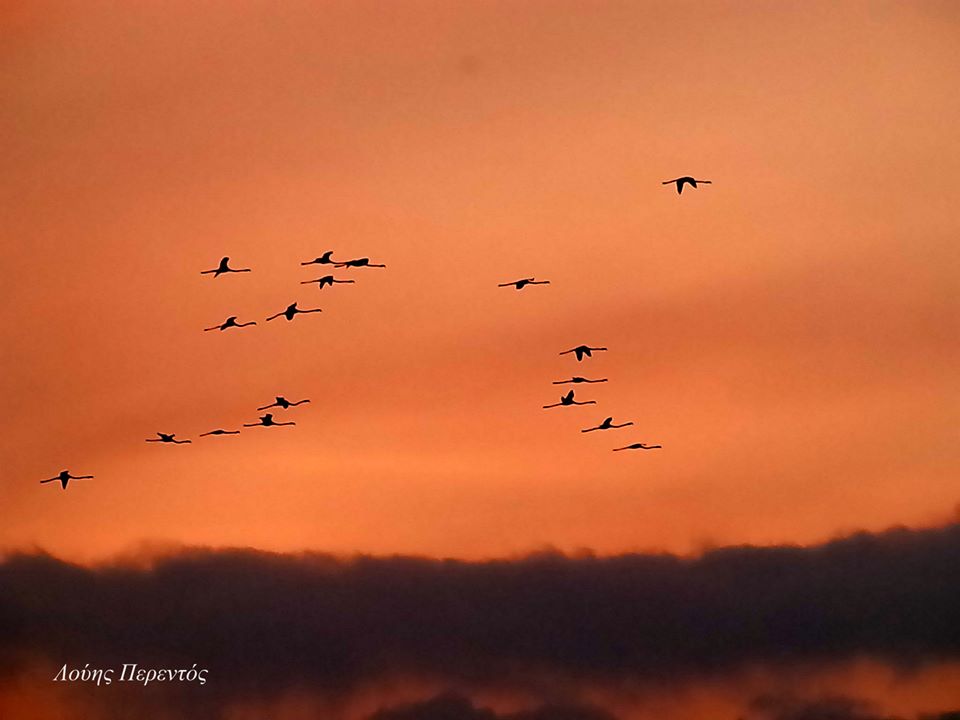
[(767, 707), (264, 622), (790, 707), (458, 707)]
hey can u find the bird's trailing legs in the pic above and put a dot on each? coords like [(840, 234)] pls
[(268, 421), (223, 267), (521, 284), (229, 323), (291, 311), (326, 280), (282, 402), (359, 262), (607, 424), (685, 180), (167, 438), (568, 400), (582, 351), (64, 477)]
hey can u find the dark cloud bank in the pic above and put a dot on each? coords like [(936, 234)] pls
[(767, 707), (788, 707), (265, 622), (456, 707)]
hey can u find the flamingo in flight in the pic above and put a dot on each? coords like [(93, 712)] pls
[(220, 431), (578, 379), (291, 311), (607, 424), (638, 446), (223, 267), (230, 322), (324, 259), (282, 402), (521, 284), (268, 421), (65, 477), (685, 180), (582, 350), (326, 280), (167, 438), (359, 262), (568, 400)]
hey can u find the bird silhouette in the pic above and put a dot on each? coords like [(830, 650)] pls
[(685, 180), (222, 268), (326, 280), (229, 323), (582, 350), (638, 446), (268, 421), (521, 284), (567, 400), (282, 402), (291, 311), (219, 431), (167, 438), (359, 262), (65, 477), (324, 259), (578, 379), (607, 424)]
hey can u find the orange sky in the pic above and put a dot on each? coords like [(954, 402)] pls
[(929, 691), (788, 334)]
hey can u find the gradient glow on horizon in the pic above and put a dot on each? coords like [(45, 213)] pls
[(789, 333)]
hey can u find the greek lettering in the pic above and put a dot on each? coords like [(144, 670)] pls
[(131, 672)]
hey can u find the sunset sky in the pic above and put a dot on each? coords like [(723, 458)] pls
[(788, 334)]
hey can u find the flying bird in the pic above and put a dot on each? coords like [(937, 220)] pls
[(326, 280), (268, 421), (229, 323), (167, 438), (521, 284), (638, 446), (685, 180), (324, 259), (567, 400), (291, 311), (359, 262), (578, 379), (219, 431), (607, 424), (282, 402), (582, 350), (65, 477), (223, 267)]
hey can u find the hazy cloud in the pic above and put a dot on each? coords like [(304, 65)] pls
[(457, 707), (262, 622), (789, 707)]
